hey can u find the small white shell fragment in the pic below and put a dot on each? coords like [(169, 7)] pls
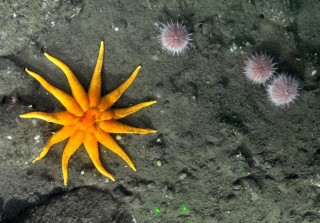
[(183, 176)]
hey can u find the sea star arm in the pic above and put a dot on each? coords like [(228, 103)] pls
[(123, 112), (106, 115), (119, 113), (106, 140), (77, 90), (94, 92), (59, 136), (66, 100), (112, 126), (91, 145), (108, 100), (61, 118), (73, 144)]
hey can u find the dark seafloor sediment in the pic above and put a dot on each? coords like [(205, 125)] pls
[(222, 149)]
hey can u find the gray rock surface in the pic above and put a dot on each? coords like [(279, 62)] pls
[(74, 206), (11, 73), (23, 20)]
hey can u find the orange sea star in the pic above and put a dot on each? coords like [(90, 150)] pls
[(88, 118)]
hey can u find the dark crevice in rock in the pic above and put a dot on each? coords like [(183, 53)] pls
[(15, 210)]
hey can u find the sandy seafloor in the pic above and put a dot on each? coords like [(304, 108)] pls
[(222, 154)]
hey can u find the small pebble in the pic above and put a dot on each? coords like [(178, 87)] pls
[(183, 176)]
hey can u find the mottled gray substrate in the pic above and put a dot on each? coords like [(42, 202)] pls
[(21, 21), (225, 151)]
